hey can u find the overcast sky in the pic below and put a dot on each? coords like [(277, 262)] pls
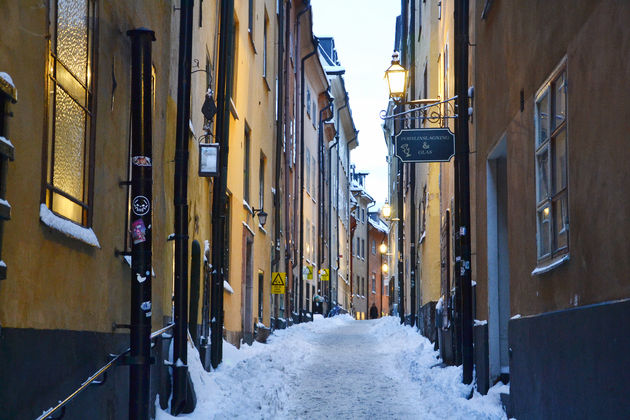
[(364, 37)]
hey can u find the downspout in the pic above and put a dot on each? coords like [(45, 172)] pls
[(276, 198), (298, 305), (224, 87), (401, 273), (350, 274), (180, 185), (287, 156), (345, 105), (301, 288), (367, 265), (330, 218), (142, 193), (320, 216), (412, 172)]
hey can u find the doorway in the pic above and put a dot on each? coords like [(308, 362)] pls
[(248, 287), (498, 263)]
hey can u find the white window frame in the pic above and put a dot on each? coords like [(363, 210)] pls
[(547, 209)]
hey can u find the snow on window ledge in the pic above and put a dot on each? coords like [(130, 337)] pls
[(550, 266), (68, 228)]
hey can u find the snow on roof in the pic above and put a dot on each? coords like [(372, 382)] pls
[(334, 69), (67, 227), (379, 225)]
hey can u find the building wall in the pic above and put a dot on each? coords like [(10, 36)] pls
[(254, 108)]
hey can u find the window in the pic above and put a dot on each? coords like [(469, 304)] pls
[(232, 93), (373, 282), (314, 178), (70, 139), (314, 252), (363, 248), (552, 211), (250, 18), (308, 101), (246, 147), (307, 241), (261, 286), (307, 171), (264, 57), (373, 247), (261, 182), (226, 237)]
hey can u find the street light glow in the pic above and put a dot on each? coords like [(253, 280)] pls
[(384, 268), (386, 211), (396, 78), (383, 248)]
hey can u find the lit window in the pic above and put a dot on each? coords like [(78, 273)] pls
[(552, 206), (69, 169), (247, 143)]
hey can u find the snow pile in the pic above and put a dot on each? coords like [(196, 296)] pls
[(336, 367), (443, 393)]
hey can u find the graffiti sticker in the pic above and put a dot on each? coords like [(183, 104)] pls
[(138, 232), (141, 160), (140, 205)]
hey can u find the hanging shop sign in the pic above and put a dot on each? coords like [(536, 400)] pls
[(425, 145), (324, 274)]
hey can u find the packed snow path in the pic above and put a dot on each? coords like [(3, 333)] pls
[(337, 368)]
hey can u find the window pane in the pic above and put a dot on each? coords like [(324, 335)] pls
[(69, 145), (560, 100), (72, 36), (61, 205), (561, 221), (560, 161), (544, 231), (542, 174), (542, 119)]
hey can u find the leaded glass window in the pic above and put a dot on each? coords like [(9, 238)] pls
[(70, 109)]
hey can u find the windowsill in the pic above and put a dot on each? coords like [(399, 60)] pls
[(67, 227), (247, 207), (233, 109), (251, 40), (548, 265), (266, 83)]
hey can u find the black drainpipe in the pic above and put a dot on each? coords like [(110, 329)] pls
[(180, 185), (301, 289), (412, 172), (142, 200), (224, 87), (330, 200), (279, 126), (320, 216)]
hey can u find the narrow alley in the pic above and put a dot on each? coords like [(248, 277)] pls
[(338, 368)]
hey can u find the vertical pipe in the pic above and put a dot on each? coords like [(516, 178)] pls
[(195, 285), (180, 185), (412, 168), (462, 271), (401, 268), (279, 125), (302, 146), (142, 200), (224, 87)]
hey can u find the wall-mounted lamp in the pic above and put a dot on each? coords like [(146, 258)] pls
[(262, 216), (209, 159), (383, 248), (384, 268), (386, 210)]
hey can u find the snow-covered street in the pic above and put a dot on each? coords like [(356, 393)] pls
[(337, 368)]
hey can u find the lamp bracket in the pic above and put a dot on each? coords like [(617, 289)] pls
[(430, 108)]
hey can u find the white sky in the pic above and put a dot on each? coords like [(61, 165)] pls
[(364, 37)]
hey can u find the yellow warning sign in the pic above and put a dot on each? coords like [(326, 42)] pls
[(325, 274), (309, 276), (278, 280)]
